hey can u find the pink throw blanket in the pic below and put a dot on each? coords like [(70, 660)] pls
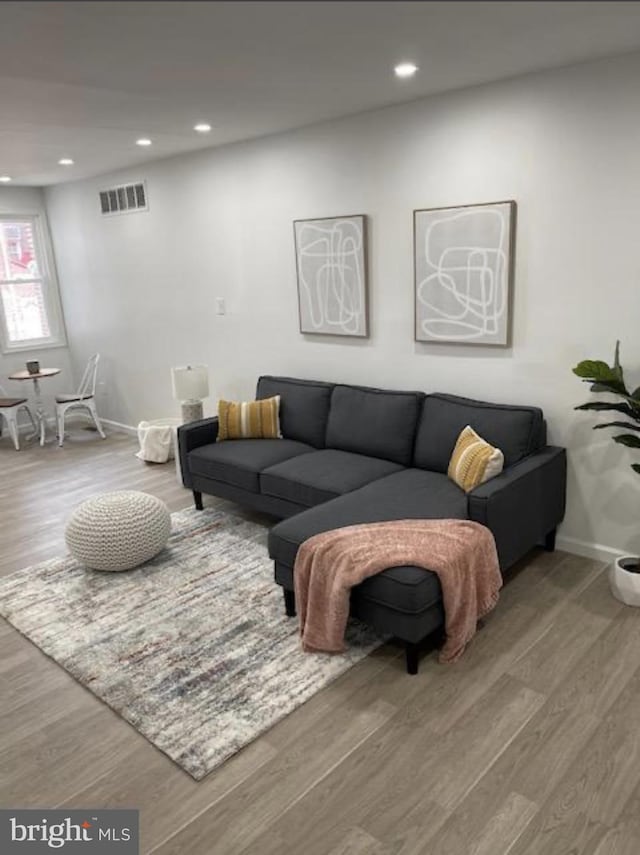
[(462, 553)]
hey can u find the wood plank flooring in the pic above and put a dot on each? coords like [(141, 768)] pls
[(529, 746)]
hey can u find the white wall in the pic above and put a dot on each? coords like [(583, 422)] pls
[(30, 200), (141, 288)]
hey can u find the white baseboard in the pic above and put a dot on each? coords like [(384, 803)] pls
[(120, 427), (588, 550), (25, 426)]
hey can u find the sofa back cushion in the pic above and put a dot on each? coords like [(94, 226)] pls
[(304, 407), (516, 431), (374, 422)]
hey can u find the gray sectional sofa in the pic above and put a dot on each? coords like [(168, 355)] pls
[(353, 454)]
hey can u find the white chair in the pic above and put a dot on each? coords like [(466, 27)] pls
[(84, 397), (9, 408)]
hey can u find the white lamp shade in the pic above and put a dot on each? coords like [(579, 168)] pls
[(190, 383)]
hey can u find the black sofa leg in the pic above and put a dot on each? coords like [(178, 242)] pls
[(550, 541), (289, 603), (412, 653), (197, 498)]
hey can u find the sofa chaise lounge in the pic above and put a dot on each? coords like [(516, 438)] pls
[(353, 454)]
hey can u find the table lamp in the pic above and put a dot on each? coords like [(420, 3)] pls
[(190, 386)]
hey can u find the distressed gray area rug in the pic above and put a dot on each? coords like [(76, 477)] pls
[(192, 648)]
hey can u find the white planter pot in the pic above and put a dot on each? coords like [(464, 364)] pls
[(625, 586)]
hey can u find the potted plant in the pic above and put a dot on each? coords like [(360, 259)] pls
[(624, 576)]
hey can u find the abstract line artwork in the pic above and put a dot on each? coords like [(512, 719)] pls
[(463, 264), (331, 267)]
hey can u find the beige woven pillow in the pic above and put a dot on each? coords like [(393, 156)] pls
[(249, 419), (474, 461)]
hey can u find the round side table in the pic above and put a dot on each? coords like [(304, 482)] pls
[(41, 416)]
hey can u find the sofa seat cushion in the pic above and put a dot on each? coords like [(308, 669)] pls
[(240, 461), (409, 494), (310, 479), (407, 589)]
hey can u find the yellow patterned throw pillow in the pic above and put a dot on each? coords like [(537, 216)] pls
[(474, 461), (249, 419)]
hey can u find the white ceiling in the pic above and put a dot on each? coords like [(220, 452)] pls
[(85, 80)]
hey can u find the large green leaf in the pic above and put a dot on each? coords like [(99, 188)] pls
[(613, 386), (603, 405), (613, 389), (594, 369), (626, 425), (598, 372), (627, 439)]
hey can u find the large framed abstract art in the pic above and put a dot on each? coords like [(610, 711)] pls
[(331, 264), (463, 262)]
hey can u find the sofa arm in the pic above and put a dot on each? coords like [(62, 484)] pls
[(524, 504), (193, 435)]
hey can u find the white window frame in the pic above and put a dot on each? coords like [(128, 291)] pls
[(50, 289)]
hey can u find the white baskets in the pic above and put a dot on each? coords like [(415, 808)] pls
[(157, 440)]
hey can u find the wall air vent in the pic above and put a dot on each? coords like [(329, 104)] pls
[(124, 199)]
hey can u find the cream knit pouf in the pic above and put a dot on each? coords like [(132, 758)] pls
[(118, 531)]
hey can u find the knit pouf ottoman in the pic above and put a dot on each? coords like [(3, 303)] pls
[(118, 531)]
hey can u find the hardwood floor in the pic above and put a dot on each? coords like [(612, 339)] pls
[(528, 746)]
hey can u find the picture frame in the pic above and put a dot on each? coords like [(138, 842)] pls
[(332, 272), (463, 273)]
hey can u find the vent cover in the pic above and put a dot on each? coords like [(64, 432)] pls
[(124, 199)]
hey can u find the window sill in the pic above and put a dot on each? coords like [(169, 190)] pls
[(28, 347)]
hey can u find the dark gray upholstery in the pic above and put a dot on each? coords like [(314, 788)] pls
[(408, 494), (523, 504), (387, 620), (310, 479), (377, 606), (304, 407), (240, 461), (278, 508), (410, 589), (373, 422), (516, 431), (194, 435)]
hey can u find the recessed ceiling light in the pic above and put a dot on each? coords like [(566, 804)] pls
[(405, 69), (202, 128), (5, 179), (65, 161), (143, 141)]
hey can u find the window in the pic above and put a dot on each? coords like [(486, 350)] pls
[(30, 313)]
